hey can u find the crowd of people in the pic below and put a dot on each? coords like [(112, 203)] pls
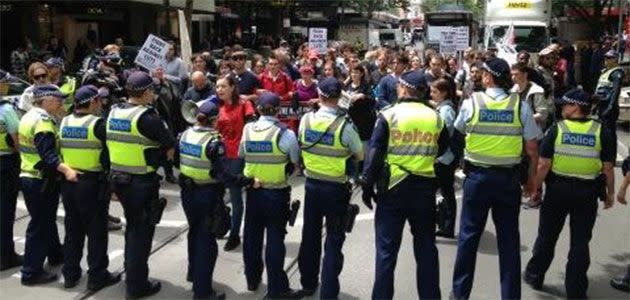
[(396, 122)]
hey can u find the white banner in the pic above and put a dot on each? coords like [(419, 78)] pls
[(318, 39), (451, 39), (152, 55)]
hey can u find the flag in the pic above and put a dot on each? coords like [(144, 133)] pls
[(184, 39)]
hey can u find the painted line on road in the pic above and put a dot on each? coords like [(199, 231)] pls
[(115, 254), (19, 239)]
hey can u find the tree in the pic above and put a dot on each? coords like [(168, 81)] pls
[(591, 11), (370, 6)]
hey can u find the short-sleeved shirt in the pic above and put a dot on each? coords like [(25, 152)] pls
[(609, 144), (247, 82), (530, 129), (9, 118), (230, 125)]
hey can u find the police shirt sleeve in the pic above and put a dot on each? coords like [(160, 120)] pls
[(288, 144), (350, 137), (465, 112), (531, 130), (547, 145), (609, 145), (151, 126), (11, 120)]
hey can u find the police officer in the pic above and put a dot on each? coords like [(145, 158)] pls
[(85, 201), (608, 89), (270, 151), (203, 173), (40, 162), (498, 126), (328, 140), (576, 151), (136, 144), (66, 84), (408, 135), (10, 177)]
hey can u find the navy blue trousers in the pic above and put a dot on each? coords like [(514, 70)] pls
[(9, 188), (412, 200), (266, 210), (236, 197), (135, 198), (86, 203), (199, 202), (484, 190), (42, 237), (323, 200), (563, 198)]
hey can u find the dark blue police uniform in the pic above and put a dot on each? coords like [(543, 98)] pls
[(412, 200)]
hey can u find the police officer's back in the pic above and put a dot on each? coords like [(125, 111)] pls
[(328, 139), (408, 136), (498, 126), (270, 151), (137, 143), (86, 201), (575, 152)]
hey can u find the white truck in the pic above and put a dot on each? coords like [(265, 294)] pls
[(515, 25)]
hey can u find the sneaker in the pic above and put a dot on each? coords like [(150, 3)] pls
[(70, 283), (445, 234), (232, 243), (289, 294)]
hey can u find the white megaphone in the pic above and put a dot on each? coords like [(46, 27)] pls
[(190, 110)]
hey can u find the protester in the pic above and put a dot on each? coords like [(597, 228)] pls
[(276, 81), (38, 75)]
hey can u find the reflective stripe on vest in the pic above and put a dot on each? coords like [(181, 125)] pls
[(578, 149), (194, 162), (494, 133), (80, 147), (414, 129), (125, 143), (35, 121), (263, 158), (325, 160)]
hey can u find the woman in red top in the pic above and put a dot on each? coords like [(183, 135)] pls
[(234, 112)]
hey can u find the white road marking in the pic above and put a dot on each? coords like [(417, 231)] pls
[(171, 193), (18, 239), (163, 223), (60, 211)]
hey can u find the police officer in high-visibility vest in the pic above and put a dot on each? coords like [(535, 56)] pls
[(66, 84), (10, 183), (137, 144), (40, 165), (574, 153), (608, 90), (270, 151), (498, 126), (203, 173), (407, 139), (328, 140), (82, 144)]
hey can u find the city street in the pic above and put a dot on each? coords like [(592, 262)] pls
[(610, 253)]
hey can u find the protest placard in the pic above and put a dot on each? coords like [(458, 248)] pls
[(152, 55)]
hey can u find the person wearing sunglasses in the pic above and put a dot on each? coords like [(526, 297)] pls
[(38, 75), (246, 81)]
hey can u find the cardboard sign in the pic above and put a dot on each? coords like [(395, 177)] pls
[(152, 55), (318, 39)]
